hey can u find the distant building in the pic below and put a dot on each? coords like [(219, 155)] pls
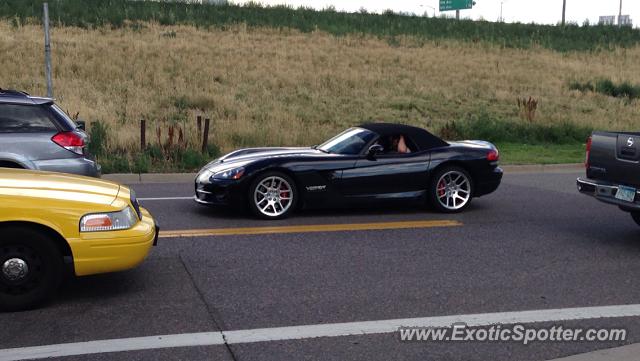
[(607, 20), (625, 20)]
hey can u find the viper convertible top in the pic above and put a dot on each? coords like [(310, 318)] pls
[(422, 138)]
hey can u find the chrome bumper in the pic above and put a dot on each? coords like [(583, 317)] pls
[(201, 196), (606, 192), (198, 200)]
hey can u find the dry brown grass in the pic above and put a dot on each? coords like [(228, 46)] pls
[(270, 87)]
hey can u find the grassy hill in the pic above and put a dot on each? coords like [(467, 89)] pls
[(265, 79), (118, 13)]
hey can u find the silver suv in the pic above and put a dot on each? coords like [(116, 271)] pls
[(36, 134)]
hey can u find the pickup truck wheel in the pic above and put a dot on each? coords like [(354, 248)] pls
[(636, 217), (31, 269), (451, 189)]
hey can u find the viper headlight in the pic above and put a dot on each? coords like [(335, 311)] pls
[(234, 173), (112, 221)]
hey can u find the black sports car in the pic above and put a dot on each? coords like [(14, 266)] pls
[(371, 162)]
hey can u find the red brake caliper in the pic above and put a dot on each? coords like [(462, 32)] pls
[(284, 192), (441, 188)]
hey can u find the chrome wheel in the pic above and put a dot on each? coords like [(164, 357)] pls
[(15, 269), (273, 196), (20, 269), (453, 190)]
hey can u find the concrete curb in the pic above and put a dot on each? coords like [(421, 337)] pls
[(146, 178), (624, 353)]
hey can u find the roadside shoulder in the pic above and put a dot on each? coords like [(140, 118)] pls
[(129, 178)]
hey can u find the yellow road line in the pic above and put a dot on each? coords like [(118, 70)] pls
[(307, 228)]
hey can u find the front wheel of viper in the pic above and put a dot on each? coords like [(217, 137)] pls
[(451, 189), (636, 217), (31, 269), (273, 195)]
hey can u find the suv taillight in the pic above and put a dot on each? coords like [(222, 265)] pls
[(70, 141), (493, 155), (588, 152)]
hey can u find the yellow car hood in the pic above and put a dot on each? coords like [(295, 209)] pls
[(61, 186)]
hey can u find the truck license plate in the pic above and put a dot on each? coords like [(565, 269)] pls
[(626, 194)]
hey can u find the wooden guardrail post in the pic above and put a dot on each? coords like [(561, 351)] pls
[(143, 134), (199, 126), (205, 136)]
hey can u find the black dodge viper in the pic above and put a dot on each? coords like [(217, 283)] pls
[(370, 163)]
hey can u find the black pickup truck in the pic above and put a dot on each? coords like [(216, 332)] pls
[(613, 170)]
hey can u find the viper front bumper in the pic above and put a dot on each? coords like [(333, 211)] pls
[(220, 193)]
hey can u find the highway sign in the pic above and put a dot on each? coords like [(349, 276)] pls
[(446, 5)]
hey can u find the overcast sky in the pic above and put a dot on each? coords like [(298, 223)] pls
[(539, 11)]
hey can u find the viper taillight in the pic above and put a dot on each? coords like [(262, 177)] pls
[(70, 141), (588, 152), (493, 155)]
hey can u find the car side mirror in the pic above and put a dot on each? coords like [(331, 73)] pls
[(81, 124), (375, 150)]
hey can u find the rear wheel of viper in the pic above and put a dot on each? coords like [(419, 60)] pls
[(31, 269), (451, 189), (273, 195), (636, 217)]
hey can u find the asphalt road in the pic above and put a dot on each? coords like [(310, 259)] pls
[(535, 244)]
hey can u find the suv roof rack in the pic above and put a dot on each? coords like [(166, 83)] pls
[(13, 92)]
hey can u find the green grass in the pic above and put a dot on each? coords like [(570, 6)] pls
[(486, 127), (173, 161), (154, 159), (117, 13), (609, 88), (515, 153)]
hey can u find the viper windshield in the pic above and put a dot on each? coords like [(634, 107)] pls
[(351, 141)]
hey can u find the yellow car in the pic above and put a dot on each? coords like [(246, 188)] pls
[(51, 223)]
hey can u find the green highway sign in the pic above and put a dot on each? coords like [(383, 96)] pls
[(446, 5)]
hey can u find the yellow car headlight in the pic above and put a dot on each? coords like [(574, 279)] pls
[(112, 221)]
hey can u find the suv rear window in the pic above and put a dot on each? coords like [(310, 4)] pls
[(16, 118), (63, 119)]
